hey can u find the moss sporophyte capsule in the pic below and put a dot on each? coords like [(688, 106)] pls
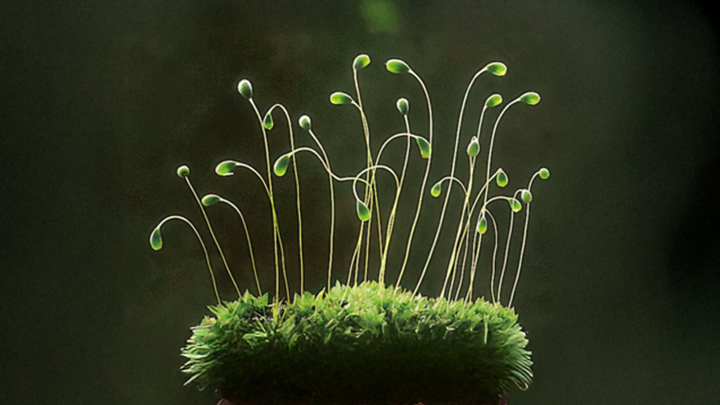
[(254, 346)]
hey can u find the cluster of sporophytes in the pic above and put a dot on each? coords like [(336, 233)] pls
[(365, 341)]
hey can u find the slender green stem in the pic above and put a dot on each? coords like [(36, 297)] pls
[(453, 255), (473, 263), (483, 190), (394, 137), (355, 257), (476, 257), (507, 249), (253, 170), (522, 247), (332, 206), (212, 233), (494, 257), (374, 167), (371, 195), (417, 215), (464, 240), (391, 220), (276, 227), (207, 257), (522, 250), (492, 142), (327, 168), (472, 161), (455, 180), (297, 194), (249, 242), (392, 214)]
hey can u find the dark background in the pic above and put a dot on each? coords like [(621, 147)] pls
[(101, 101)]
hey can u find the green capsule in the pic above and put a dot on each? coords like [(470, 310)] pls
[(281, 165), (515, 205), (473, 148), (362, 211), (530, 98), (210, 199), (245, 88), (339, 97), (225, 168), (183, 171), (156, 239), (424, 147), (397, 66), (497, 68), (305, 123), (436, 189), (268, 121), (501, 178), (403, 106), (361, 61), (526, 196), (482, 225), (544, 173), (493, 101)]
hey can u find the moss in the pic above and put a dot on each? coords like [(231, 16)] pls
[(363, 344)]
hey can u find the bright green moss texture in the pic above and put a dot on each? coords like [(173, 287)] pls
[(368, 343)]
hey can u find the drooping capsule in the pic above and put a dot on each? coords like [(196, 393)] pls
[(245, 88), (281, 165), (156, 239), (362, 211), (361, 61), (210, 199), (436, 189), (339, 98), (397, 66), (501, 178), (424, 147)]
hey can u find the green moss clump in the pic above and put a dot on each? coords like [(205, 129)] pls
[(363, 344)]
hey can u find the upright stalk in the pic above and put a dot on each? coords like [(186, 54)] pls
[(297, 194), (452, 168), (276, 227), (217, 244)]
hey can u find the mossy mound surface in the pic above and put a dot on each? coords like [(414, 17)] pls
[(363, 344)]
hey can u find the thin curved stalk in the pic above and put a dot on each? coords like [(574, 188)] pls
[(253, 170), (522, 247), (249, 242), (476, 257), (297, 194), (417, 210), (452, 265), (492, 141), (522, 250), (276, 227), (507, 250), (383, 253), (332, 206), (371, 194), (207, 257), (212, 233)]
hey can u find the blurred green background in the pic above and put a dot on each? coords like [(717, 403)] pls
[(101, 101)]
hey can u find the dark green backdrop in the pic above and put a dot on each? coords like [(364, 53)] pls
[(101, 101)]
